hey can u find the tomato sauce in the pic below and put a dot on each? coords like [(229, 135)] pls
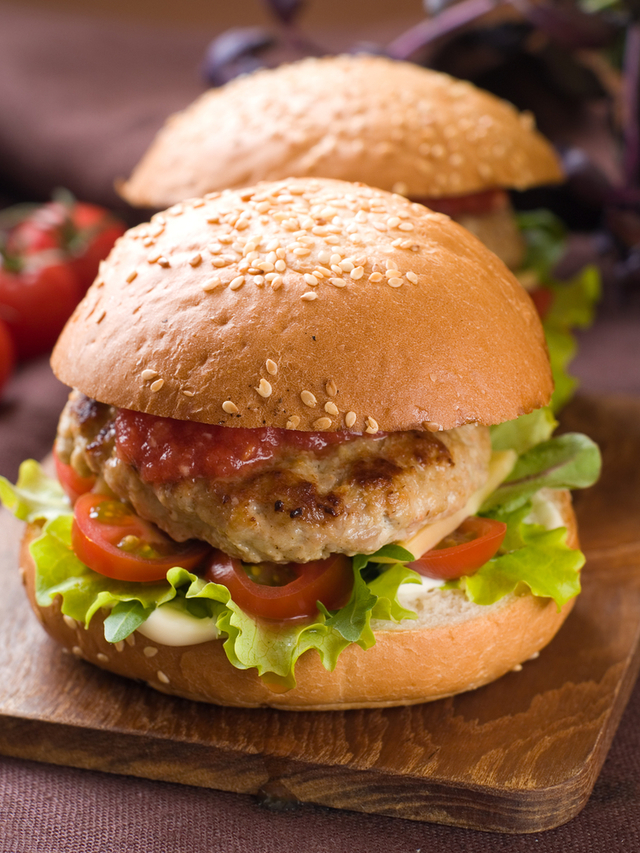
[(166, 450), (475, 204)]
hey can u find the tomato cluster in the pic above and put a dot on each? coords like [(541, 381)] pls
[(49, 255)]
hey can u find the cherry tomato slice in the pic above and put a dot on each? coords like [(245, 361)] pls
[(73, 484), (284, 592), (7, 354), (464, 551), (111, 539), (474, 204)]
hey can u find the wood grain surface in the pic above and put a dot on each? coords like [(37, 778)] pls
[(520, 755)]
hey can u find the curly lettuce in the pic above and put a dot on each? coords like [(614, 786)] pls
[(574, 301)]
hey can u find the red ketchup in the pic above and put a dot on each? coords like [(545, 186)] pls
[(164, 450)]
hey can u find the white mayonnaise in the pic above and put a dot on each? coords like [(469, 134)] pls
[(171, 625)]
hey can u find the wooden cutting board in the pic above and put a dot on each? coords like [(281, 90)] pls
[(520, 755)]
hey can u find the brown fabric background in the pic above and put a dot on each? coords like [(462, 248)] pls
[(79, 102)]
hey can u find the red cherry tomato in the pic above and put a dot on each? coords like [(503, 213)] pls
[(291, 591), (73, 484), (542, 298), (35, 303), (111, 539), (84, 233), (464, 551), (7, 354)]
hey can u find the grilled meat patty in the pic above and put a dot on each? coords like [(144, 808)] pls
[(297, 505)]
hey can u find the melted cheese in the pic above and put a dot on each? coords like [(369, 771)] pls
[(500, 466)]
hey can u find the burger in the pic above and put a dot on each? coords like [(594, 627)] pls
[(394, 125), (307, 458)]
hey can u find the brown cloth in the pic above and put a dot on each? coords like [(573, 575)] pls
[(79, 102)]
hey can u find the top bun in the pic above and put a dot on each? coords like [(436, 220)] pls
[(389, 124), (307, 303)]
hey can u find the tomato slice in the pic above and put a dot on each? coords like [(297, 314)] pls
[(542, 297), (474, 204), (464, 551), (274, 592), (111, 539), (73, 484)]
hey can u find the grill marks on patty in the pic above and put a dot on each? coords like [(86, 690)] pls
[(353, 497)]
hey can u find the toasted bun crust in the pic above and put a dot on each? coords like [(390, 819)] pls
[(419, 325), (454, 646), (389, 124)]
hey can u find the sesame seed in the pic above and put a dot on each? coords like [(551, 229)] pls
[(133, 274), (324, 257), (346, 265), (149, 651), (102, 657), (413, 278), (188, 393), (335, 259), (162, 677), (157, 385), (281, 253), (331, 408), (431, 426), (336, 269), (199, 202), (393, 221), (375, 276), (119, 646), (392, 272), (69, 621), (272, 367), (293, 422), (196, 260), (220, 262), (229, 407), (302, 253), (350, 419), (309, 296), (322, 423), (308, 399), (163, 262), (264, 388), (311, 280), (337, 282), (332, 240), (77, 651), (148, 374), (148, 242), (154, 257), (258, 280), (276, 284), (213, 220), (406, 226), (210, 285), (236, 283), (356, 273), (400, 188), (331, 388), (372, 426)]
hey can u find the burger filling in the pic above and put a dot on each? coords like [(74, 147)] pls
[(272, 494), (187, 532)]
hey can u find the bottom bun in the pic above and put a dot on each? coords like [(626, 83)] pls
[(453, 646)]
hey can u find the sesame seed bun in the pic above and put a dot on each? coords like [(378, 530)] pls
[(453, 646), (390, 124), (310, 304)]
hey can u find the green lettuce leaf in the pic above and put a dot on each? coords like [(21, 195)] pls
[(571, 461), (545, 237), (524, 432), (36, 495), (545, 565)]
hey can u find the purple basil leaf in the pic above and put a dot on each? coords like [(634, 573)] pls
[(285, 10), (234, 52), (450, 20), (568, 25)]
